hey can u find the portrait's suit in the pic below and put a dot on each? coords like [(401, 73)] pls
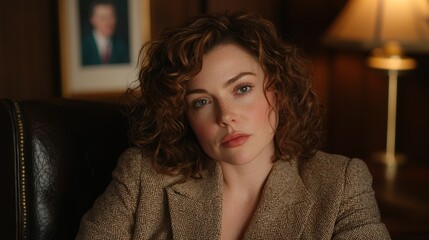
[(91, 56), (326, 197)]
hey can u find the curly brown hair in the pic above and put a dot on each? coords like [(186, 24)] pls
[(160, 127)]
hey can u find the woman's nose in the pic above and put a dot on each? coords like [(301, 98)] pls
[(226, 113)]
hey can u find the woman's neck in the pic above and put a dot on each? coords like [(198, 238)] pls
[(245, 180), (242, 190)]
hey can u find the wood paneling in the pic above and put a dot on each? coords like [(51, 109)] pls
[(166, 13), (28, 49), (269, 9)]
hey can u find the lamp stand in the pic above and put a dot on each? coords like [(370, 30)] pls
[(391, 117), (390, 159), (389, 58)]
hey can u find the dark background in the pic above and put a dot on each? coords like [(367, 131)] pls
[(355, 95)]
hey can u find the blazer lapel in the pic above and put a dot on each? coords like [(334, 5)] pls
[(195, 206), (284, 207)]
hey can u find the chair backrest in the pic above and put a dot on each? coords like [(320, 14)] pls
[(56, 157)]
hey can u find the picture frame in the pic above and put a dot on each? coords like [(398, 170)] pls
[(83, 78)]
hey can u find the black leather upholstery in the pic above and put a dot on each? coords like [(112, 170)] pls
[(56, 157)]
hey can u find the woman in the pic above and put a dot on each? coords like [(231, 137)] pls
[(227, 130)]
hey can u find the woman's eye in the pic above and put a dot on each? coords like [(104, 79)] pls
[(244, 89), (200, 103)]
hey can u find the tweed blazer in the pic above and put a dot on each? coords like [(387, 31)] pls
[(327, 197)]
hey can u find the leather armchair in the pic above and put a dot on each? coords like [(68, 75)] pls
[(56, 157)]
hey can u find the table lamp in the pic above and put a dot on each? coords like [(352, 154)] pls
[(388, 28)]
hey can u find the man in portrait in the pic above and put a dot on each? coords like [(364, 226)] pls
[(101, 44)]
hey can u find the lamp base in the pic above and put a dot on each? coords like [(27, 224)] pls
[(390, 163), (383, 158)]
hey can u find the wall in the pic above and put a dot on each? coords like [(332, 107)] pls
[(167, 13), (29, 49)]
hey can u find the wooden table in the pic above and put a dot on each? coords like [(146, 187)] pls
[(403, 200)]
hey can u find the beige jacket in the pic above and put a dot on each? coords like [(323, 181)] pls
[(327, 197)]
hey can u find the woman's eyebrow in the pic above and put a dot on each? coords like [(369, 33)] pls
[(193, 91), (225, 85), (234, 79)]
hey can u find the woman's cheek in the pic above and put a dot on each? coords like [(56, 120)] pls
[(199, 123)]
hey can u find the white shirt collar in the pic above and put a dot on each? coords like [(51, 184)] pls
[(103, 43)]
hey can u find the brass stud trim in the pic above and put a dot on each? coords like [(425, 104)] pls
[(22, 188)]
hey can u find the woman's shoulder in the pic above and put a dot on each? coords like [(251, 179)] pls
[(326, 163), (137, 162), (131, 160), (333, 171)]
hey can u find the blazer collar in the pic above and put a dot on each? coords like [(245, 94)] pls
[(195, 206), (284, 207)]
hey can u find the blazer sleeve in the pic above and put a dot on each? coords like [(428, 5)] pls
[(359, 217), (112, 215)]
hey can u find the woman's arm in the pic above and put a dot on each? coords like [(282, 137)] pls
[(112, 216), (359, 217)]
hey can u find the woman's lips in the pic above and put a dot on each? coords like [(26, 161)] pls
[(234, 140)]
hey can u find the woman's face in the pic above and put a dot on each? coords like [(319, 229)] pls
[(227, 108)]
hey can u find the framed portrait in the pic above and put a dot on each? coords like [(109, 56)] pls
[(100, 42)]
